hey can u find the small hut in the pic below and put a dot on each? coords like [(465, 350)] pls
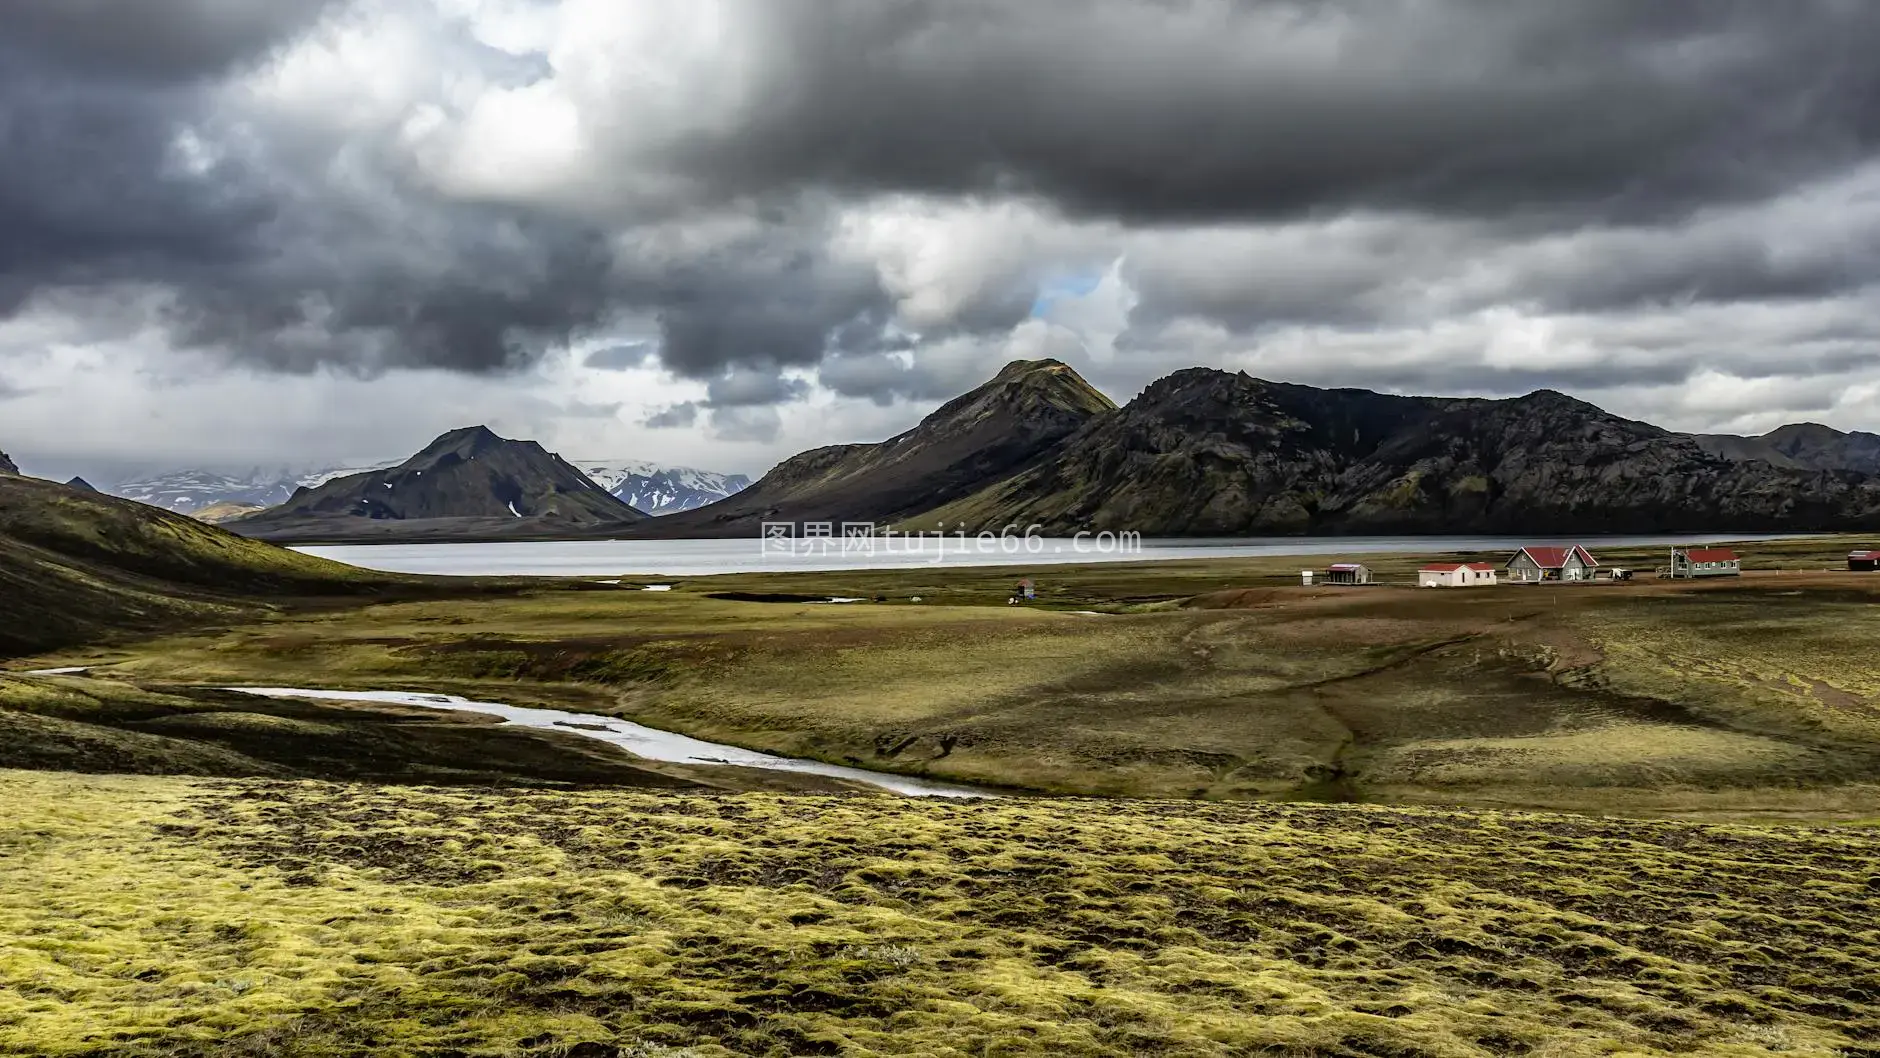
[(1863, 561), (1348, 573), (1456, 575)]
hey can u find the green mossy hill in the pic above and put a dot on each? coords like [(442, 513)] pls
[(76, 566), (190, 917)]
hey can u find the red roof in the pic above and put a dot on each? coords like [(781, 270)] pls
[(1863, 554), (1556, 557), (1711, 554)]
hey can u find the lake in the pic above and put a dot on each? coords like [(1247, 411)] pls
[(641, 559)]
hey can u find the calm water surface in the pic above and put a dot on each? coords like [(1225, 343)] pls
[(643, 559)]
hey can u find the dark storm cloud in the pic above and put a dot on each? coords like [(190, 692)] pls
[(263, 260), (743, 387), (162, 40), (774, 297), (621, 357), (683, 414), (1510, 123), (1208, 110)]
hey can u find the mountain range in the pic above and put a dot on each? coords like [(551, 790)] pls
[(192, 491), (467, 484), (1208, 452), (660, 490), (1200, 452), (215, 497)]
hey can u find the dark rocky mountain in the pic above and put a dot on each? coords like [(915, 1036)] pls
[(1205, 452), (1744, 449), (969, 444), (81, 485), (1825, 448), (467, 484), (6, 465), (1806, 445)]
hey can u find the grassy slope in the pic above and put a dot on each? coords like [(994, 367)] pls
[(184, 917), (1650, 698), (78, 566)]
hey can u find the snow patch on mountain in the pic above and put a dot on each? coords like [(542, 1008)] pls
[(660, 490)]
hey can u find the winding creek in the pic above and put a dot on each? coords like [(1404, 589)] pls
[(638, 739)]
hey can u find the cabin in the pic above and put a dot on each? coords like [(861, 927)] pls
[(1863, 561), (1456, 575), (1533, 565), (1691, 563), (1348, 573)]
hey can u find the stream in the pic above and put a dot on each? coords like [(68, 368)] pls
[(638, 739)]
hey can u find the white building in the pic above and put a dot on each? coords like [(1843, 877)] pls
[(1456, 575)]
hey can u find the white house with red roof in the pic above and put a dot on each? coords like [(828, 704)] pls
[(1456, 575), (1531, 565), (1689, 563)]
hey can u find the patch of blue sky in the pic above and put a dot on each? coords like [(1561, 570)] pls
[(1072, 285)]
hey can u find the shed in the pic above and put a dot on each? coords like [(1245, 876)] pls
[(1456, 575), (1690, 563), (1348, 573), (1864, 561), (1531, 565)]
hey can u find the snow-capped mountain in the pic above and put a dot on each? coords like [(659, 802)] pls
[(660, 490), (651, 488), (188, 491)]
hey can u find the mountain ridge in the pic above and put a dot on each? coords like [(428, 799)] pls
[(973, 440), (1205, 452)]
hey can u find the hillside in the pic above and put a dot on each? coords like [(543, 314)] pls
[(6, 465), (78, 566), (971, 442), (467, 484), (1206, 452)]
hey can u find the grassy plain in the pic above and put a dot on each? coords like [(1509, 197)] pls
[(1193, 679), (183, 917)]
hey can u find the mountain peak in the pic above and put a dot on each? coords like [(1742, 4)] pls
[(465, 440), (6, 465), (81, 485), (1804, 430)]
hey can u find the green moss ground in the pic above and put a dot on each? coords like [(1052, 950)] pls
[(173, 917)]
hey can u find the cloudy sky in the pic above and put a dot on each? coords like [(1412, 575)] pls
[(717, 232)]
